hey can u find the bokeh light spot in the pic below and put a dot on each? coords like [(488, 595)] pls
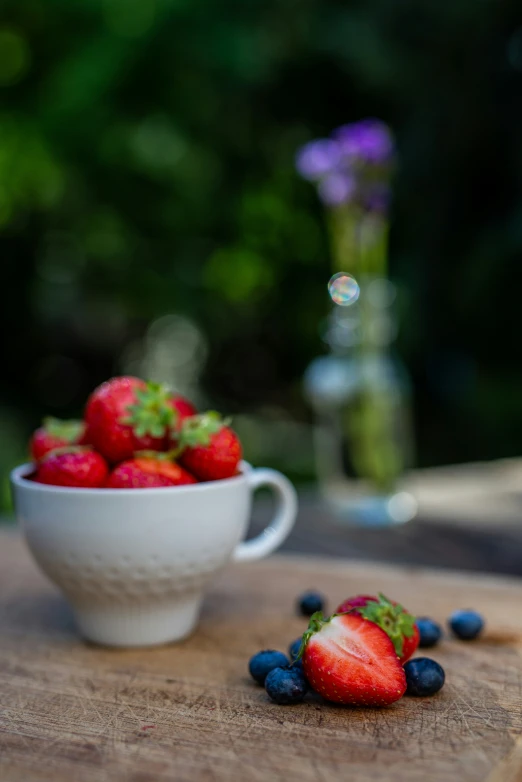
[(14, 56), (343, 289), (381, 293), (238, 274)]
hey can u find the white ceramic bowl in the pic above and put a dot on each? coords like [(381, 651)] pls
[(134, 563)]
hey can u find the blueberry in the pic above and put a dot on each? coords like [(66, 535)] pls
[(466, 624), (294, 647), (286, 685), (430, 632), (297, 665), (310, 602), (423, 676), (263, 662)]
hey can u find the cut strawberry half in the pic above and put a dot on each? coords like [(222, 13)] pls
[(349, 659)]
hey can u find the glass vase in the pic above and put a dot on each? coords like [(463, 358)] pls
[(361, 396)]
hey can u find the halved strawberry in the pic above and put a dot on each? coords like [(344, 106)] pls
[(350, 660), (147, 472), (396, 622), (55, 433)]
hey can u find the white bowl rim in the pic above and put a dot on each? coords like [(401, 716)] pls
[(18, 479)]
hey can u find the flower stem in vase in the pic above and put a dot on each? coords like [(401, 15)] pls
[(344, 222), (360, 391)]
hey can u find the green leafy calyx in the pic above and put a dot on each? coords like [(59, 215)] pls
[(70, 431), (396, 622), (198, 429), (151, 414)]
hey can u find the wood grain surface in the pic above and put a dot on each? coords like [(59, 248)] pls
[(71, 712)]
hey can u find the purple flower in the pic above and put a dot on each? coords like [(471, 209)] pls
[(317, 158), (367, 141), (336, 189)]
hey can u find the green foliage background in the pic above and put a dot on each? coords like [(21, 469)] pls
[(146, 167)]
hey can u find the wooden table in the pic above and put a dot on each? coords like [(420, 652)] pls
[(72, 712), (491, 543)]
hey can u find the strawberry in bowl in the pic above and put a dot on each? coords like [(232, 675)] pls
[(76, 467), (150, 437), (148, 471), (54, 433), (126, 414), (209, 448)]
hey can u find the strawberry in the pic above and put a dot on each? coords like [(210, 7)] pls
[(147, 472), (75, 466), (85, 438), (183, 410), (350, 660), (55, 434), (398, 623), (210, 449), (182, 407), (126, 414)]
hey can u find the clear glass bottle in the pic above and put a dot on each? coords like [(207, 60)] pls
[(360, 393)]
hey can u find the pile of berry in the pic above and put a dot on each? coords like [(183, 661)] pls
[(135, 435), (360, 656)]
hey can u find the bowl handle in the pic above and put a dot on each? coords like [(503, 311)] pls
[(278, 529)]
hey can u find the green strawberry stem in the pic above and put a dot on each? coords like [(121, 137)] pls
[(396, 622), (198, 429), (195, 430), (66, 430), (151, 414)]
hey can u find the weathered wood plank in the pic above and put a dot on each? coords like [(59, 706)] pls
[(71, 711)]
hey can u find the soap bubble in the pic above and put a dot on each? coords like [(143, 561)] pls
[(343, 289)]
